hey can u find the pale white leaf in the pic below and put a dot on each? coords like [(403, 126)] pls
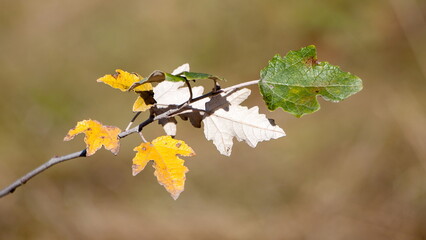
[(222, 115), (169, 126), (181, 69), (223, 122), (168, 93), (223, 100)]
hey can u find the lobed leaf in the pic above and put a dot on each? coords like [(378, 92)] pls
[(171, 94), (169, 168), (122, 80), (97, 135), (294, 81), (222, 116), (225, 119)]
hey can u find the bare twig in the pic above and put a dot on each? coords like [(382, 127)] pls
[(133, 120), (143, 138), (213, 93), (189, 89), (53, 161), (244, 84)]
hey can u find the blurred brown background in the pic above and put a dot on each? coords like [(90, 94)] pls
[(353, 170)]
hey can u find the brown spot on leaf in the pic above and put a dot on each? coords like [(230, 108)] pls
[(115, 75), (311, 61)]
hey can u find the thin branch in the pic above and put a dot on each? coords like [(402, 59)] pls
[(190, 90), (53, 161), (244, 84), (143, 138), (133, 120), (213, 93)]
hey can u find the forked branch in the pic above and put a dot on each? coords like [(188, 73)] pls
[(173, 112)]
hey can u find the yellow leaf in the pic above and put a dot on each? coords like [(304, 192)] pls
[(144, 102), (169, 168), (96, 136), (123, 80)]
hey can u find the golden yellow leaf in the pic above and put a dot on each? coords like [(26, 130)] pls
[(96, 136), (144, 102), (169, 168), (123, 80)]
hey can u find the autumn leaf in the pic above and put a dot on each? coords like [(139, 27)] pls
[(144, 101), (97, 135), (222, 116), (172, 94), (146, 98), (169, 168), (182, 68), (226, 119), (122, 80)]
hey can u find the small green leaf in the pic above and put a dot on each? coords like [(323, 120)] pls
[(198, 76), (158, 76), (294, 81), (173, 78)]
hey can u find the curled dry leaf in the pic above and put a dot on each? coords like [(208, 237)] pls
[(169, 168), (97, 135)]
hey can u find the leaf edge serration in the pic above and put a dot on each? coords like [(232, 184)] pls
[(308, 55)]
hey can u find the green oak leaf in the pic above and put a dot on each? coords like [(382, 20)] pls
[(294, 81), (159, 76)]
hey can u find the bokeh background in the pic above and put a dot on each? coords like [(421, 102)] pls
[(353, 170)]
